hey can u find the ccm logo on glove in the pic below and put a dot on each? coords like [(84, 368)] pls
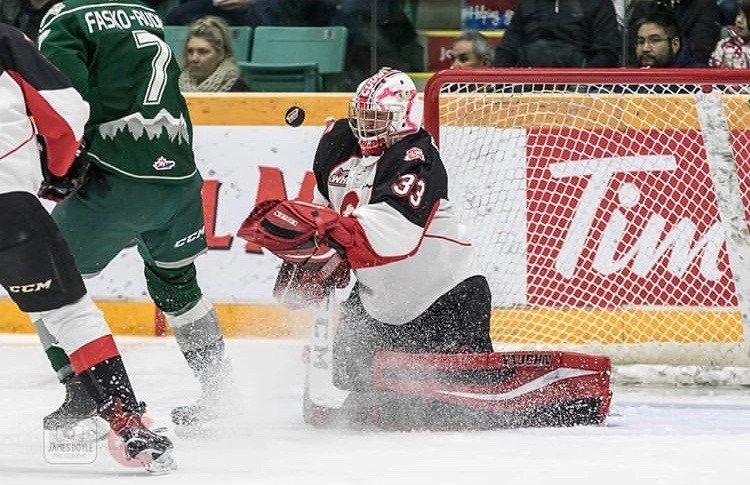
[(286, 218)]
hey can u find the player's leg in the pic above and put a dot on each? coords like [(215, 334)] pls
[(94, 236), (358, 338), (458, 322), (39, 273), (442, 374), (168, 253)]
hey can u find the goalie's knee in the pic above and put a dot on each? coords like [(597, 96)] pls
[(36, 267)]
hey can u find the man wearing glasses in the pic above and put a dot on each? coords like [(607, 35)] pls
[(658, 43)]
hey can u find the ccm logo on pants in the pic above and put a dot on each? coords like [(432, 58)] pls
[(190, 238), (30, 288)]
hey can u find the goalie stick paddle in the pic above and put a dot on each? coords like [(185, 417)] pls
[(320, 388)]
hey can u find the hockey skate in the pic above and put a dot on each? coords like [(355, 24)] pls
[(151, 450), (77, 415), (219, 399)]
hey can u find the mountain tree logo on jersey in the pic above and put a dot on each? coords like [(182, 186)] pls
[(414, 153), (162, 164), (339, 177)]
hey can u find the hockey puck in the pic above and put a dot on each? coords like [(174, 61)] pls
[(294, 116)]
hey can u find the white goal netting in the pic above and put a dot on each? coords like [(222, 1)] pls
[(609, 209)]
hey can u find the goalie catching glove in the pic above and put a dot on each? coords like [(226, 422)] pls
[(56, 188), (300, 286), (310, 239)]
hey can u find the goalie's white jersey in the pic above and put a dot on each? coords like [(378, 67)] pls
[(31, 86), (409, 248)]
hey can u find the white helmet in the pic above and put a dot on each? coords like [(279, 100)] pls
[(384, 109)]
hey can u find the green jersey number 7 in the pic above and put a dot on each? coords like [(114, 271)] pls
[(158, 81)]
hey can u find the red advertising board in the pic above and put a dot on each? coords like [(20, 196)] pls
[(635, 234)]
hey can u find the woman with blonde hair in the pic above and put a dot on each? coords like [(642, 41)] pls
[(208, 63)]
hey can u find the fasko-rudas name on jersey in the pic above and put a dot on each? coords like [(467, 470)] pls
[(120, 19)]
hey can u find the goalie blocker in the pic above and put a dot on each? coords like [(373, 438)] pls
[(476, 392)]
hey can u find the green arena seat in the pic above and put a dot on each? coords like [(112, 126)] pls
[(294, 77), (325, 46)]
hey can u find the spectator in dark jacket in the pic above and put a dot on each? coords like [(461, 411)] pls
[(698, 20), (292, 13), (396, 42), (235, 12), (563, 33), (25, 15), (658, 43), (728, 11)]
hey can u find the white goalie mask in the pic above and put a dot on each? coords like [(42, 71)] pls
[(385, 108)]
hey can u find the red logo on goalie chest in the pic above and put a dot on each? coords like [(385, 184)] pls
[(349, 203), (414, 153)]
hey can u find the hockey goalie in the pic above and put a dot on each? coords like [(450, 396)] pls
[(411, 349)]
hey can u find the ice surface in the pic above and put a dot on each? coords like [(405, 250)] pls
[(660, 436)]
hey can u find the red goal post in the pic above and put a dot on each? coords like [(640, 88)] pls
[(609, 207)]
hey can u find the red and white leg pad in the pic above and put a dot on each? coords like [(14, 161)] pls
[(483, 391)]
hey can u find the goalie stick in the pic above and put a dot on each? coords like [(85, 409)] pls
[(322, 397)]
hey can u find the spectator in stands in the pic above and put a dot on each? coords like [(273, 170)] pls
[(734, 51), (25, 15), (470, 49), (208, 64), (562, 33), (396, 45), (728, 10), (292, 13), (698, 20), (658, 43), (235, 12)]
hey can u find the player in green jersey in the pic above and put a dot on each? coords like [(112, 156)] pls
[(139, 138)]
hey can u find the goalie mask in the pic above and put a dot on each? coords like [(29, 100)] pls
[(385, 108)]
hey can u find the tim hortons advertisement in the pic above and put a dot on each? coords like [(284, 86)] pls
[(595, 219), (635, 233)]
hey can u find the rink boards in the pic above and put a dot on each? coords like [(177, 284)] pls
[(246, 153)]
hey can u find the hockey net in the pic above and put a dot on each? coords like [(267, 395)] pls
[(609, 209)]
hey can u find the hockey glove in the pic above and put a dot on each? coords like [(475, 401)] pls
[(57, 188), (297, 232), (300, 286)]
